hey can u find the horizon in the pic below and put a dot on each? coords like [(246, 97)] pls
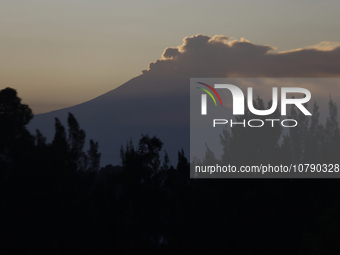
[(60, 54)]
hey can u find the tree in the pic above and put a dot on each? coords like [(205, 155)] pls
[(94, 157), (76, 140), (331, 145), (314, 138), (166, 162), (60, 147), (14, 116), (251, 145), (149, 148), (16, 143), (298, 135), (145, 160)]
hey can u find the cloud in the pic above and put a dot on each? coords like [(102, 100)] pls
[(221, 56), (322, 46)]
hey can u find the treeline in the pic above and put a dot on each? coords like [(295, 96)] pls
[(310, 141), (55, 198)]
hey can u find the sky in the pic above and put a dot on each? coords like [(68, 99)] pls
[(62, 53)]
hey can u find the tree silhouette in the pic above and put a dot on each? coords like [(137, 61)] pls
[(55, 198), (249, 145), (94, 157), (15, 140), (331, 145), (76, 140), (314, 138)]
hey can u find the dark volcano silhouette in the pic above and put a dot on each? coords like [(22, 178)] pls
[(157, 102), (143, 105)]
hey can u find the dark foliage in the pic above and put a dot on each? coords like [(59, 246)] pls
[(54, 198)]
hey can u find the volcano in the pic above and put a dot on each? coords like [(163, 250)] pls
[(144, 105)]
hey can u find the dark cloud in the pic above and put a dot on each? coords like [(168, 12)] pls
[(170, 53), (220, 56)]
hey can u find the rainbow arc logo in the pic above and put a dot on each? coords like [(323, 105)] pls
[(208, 92), (204, 97)]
